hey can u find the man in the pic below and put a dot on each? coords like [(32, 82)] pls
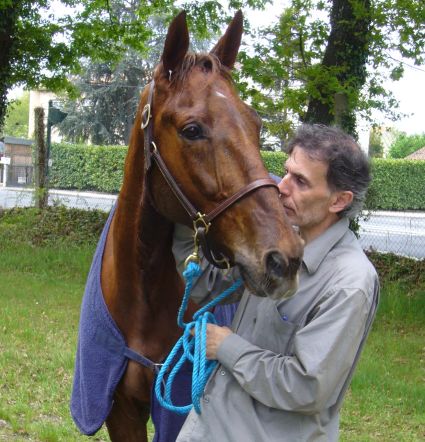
[(285, 365)]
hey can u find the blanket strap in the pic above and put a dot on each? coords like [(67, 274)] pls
[(142, 360)]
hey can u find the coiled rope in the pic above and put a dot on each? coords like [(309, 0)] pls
[(193, 347)]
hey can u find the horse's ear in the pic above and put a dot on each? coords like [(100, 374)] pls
[(176, 43), (227, 47)]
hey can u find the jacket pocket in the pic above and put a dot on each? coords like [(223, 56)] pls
[(271, 330)]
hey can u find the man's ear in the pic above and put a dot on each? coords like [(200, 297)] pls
[(342, 200)]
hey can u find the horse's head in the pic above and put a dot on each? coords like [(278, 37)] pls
[(209, 140)]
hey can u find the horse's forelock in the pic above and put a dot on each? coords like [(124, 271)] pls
[(209, 62)]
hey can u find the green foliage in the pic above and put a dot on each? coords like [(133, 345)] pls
[(40, 47), (51, 225), (406, 144), (318, 51), (32, 51), (376, 146), (87, 167), (109, 96), (393, 268), (16, 123), (396, 184), (109, 91), (274, 161)]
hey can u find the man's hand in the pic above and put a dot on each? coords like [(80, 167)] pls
[(215, 336)]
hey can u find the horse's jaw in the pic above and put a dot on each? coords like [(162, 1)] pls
[(264, 288)]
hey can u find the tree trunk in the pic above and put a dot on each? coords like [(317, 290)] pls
[(347, 50), (40, 160), (8, 19)]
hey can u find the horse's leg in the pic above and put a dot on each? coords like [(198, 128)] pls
[(130, 412)]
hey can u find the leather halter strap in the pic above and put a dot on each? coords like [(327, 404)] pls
[(200, 220)]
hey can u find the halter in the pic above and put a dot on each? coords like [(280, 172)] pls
[(201, 221)]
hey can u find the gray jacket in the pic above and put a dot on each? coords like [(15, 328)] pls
[(283, 373)]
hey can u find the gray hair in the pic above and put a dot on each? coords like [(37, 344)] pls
[(348, 166)]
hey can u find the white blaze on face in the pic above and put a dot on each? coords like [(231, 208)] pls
[(219, 94)]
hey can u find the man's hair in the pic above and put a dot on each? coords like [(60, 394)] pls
[(348, 166)]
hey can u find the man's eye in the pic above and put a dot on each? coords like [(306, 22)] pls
[(192, 132)]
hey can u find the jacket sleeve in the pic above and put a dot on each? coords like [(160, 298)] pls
[(213, 280), (324, 351)]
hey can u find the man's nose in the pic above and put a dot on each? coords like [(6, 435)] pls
[(283, 186)]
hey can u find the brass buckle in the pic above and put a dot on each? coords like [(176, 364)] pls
[(200, 222), (146, 116)]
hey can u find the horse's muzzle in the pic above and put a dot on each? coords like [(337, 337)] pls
[(278, 278)]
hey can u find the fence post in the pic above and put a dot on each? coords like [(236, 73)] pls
[(40, 161)]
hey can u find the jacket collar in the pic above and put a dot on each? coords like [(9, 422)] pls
[(315, 252)]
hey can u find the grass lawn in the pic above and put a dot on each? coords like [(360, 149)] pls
[(42, 277)]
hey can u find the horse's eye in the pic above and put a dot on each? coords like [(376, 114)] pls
[(192, 132)]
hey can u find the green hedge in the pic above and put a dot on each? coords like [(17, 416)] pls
[(83, 167), (396, 185)]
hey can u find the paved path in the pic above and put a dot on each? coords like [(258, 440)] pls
[(20, 197)]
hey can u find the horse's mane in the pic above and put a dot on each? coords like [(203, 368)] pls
[(208, 62)]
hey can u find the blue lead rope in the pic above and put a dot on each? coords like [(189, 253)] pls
[(193, 347)]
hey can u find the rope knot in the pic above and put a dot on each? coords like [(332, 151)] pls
[(192, 270)]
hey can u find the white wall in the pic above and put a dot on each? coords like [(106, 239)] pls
[(41, 98)]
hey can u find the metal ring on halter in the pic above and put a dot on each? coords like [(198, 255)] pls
[(222, 260), (155, 149), (146, 112)]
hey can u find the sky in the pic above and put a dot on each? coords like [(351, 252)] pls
[(410, 92)]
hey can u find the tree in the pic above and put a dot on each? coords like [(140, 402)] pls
[(406, 144), (30, 52), (376, 145), (16, 123), (109, 93), (109, 96), (38, 48), (329, 68)]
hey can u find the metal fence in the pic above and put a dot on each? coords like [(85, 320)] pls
[(16, 175), (402, 233)]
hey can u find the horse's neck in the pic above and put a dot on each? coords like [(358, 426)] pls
[(141, 250), (139, 278)]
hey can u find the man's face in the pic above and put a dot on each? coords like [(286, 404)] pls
[(306, 196)]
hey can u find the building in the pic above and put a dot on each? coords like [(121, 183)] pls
[(418, 155), (18, 171), (41, 98)]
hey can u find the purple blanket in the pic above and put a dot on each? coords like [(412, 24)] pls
[(100, 359)]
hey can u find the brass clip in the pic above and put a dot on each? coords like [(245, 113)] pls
[(200, 222), (194, 257)]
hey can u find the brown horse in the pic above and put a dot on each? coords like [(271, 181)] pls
[(208, 140)]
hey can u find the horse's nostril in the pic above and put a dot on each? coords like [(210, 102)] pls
[(275, 264)]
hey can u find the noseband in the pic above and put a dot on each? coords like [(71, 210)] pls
[(201, 221)]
